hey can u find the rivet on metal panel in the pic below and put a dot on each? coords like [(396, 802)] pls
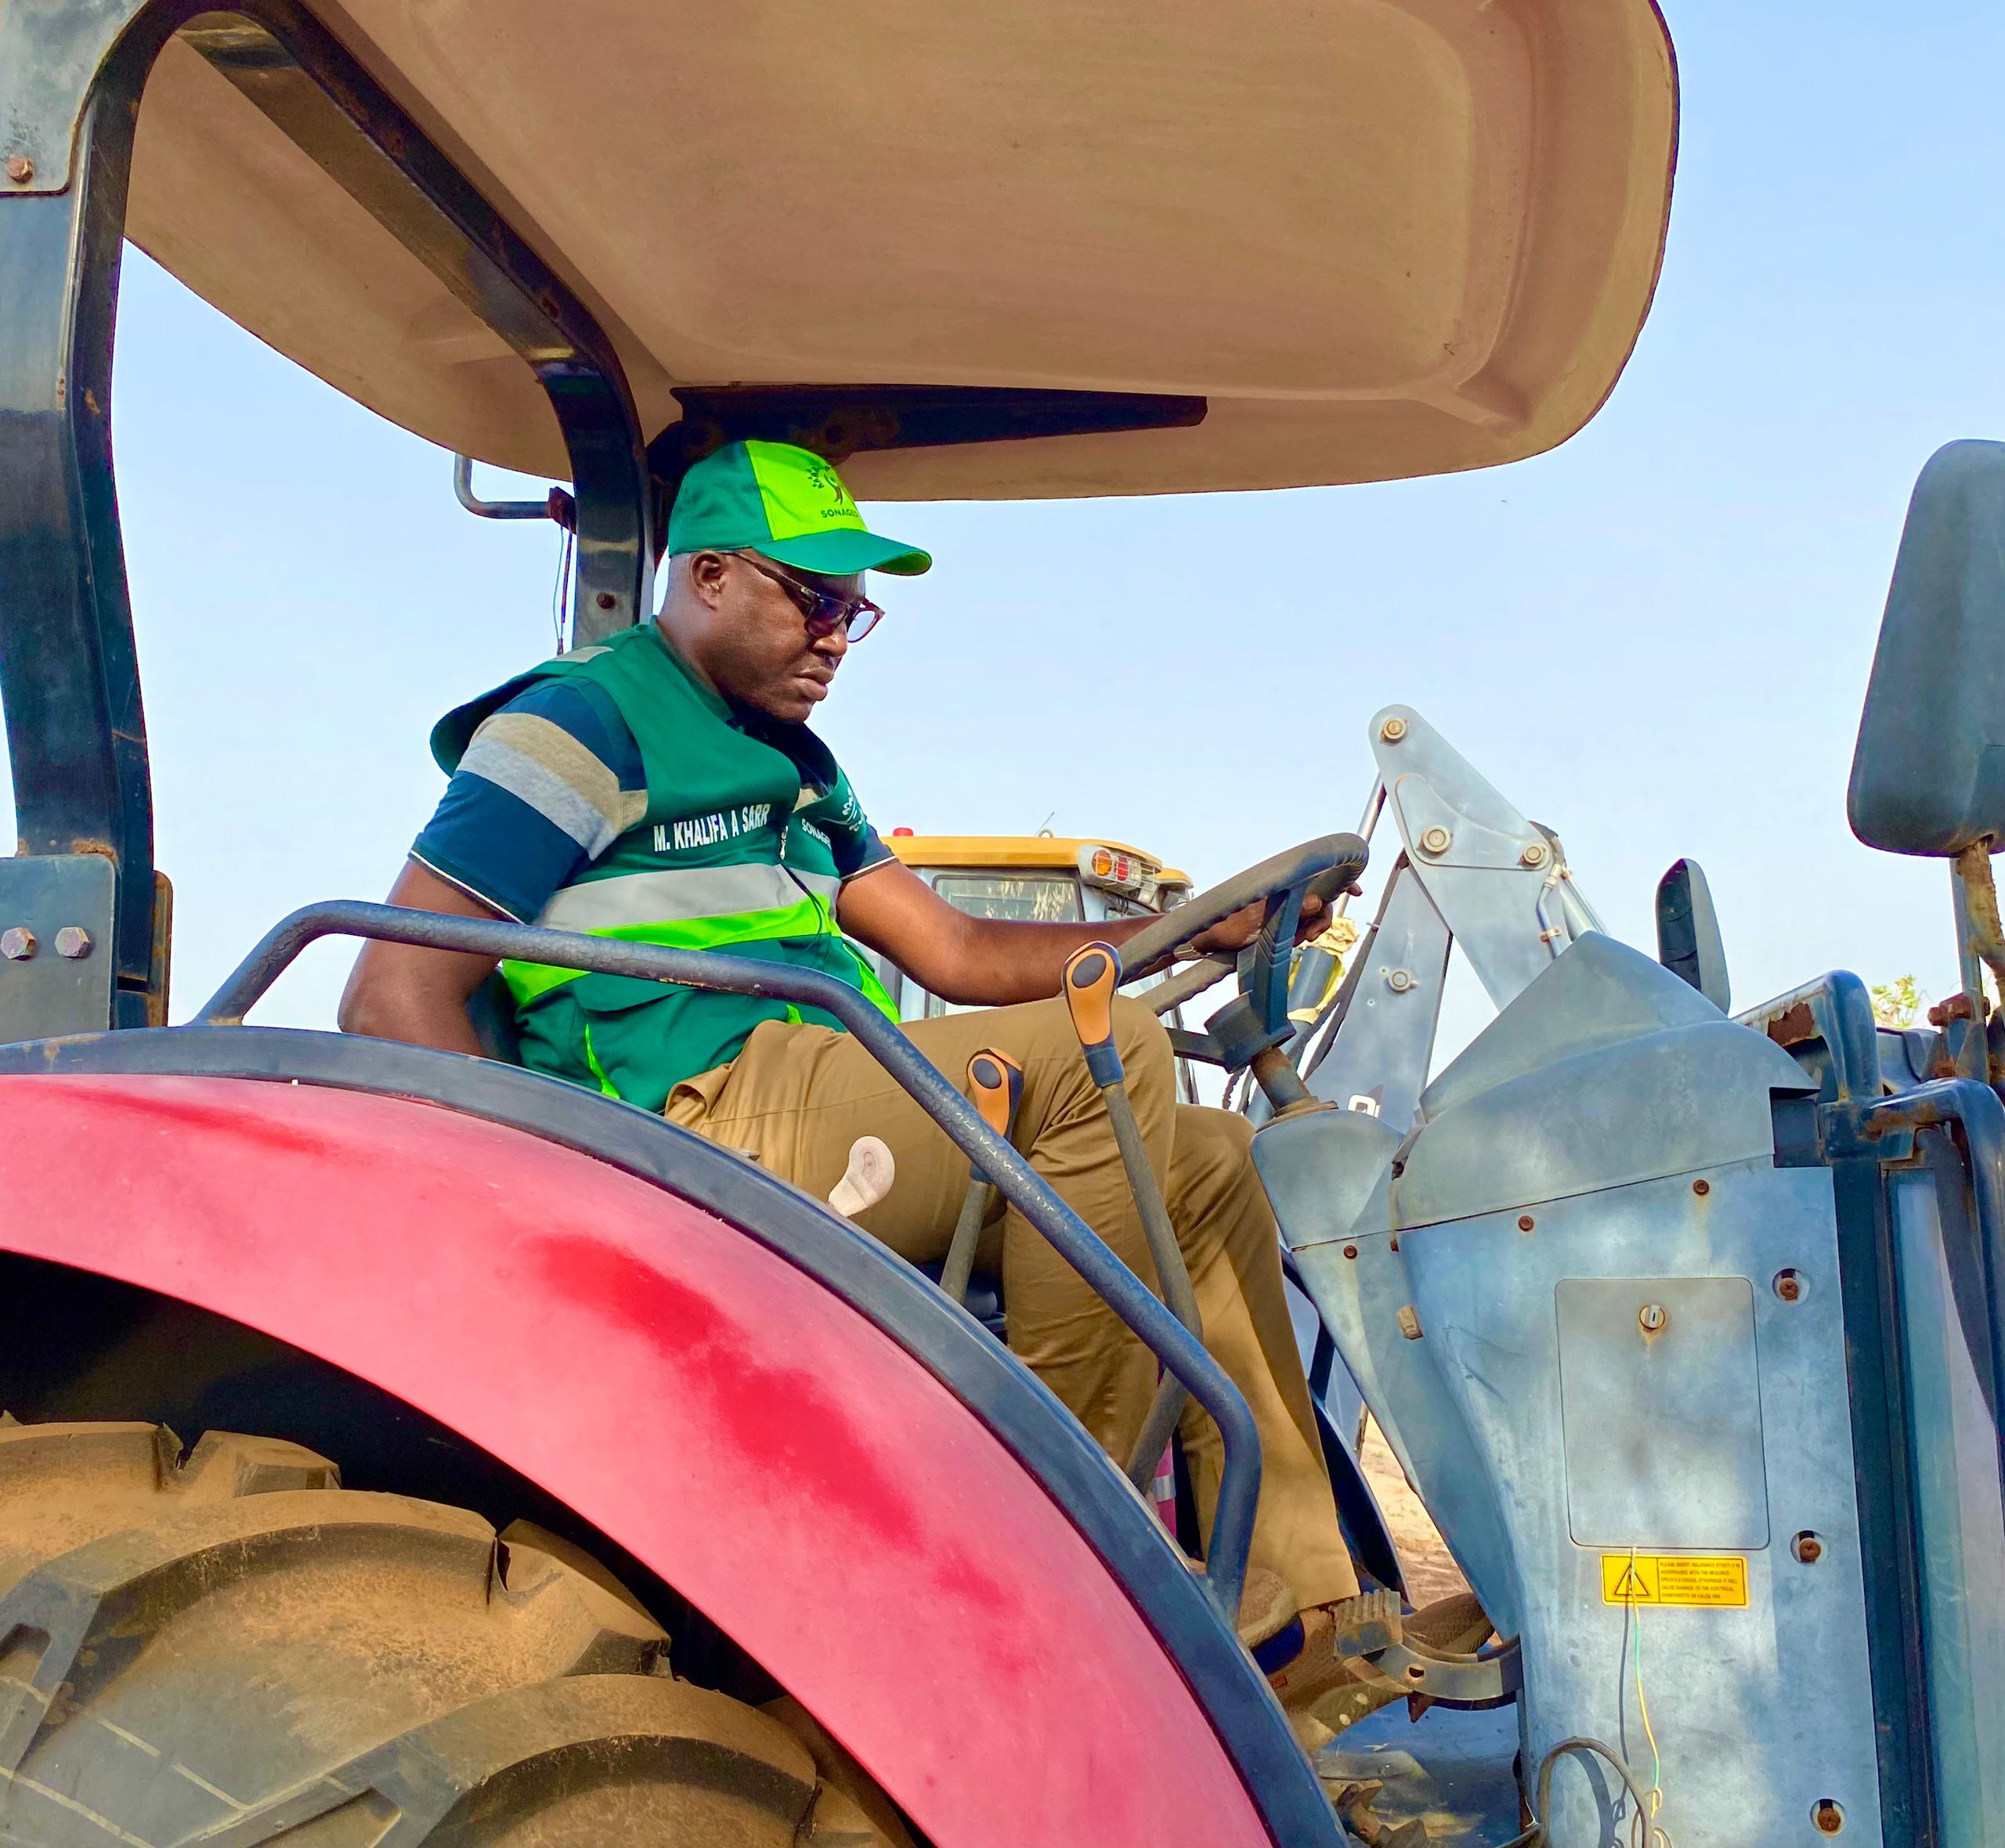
[(1534, 855), (1410, 1322), (17, 944), (1392, 731), (1526, 1223), (1350, 1250), (1399, 980), (1702, 1187), (1436, 840), (1789, 1285), (1651, 1317), (20, 169), (1826, 1817), (73, 941), (1807, 1547)]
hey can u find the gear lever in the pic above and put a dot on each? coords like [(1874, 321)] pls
[(995, 1083), (1092, 975)]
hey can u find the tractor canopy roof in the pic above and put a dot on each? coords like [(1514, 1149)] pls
[(1361, 238)]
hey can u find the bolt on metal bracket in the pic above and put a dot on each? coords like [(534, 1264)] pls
[(43, 898), (50, 54)]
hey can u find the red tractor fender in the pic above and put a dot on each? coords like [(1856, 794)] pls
[(809, 1482)]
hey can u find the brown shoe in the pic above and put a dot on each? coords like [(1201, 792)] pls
[(1267, 1606), (1456, 1626), (1325, 1670), (1327, 1684)]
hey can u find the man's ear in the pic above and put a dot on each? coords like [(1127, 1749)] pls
[(707, 576)]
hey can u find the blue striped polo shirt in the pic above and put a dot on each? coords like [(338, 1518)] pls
[(547, 784)]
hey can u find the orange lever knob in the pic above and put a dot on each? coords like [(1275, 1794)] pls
[(995, 1082), (1091, 974)]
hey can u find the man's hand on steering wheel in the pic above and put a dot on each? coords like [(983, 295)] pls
[(1233, 934), (1216, 924)]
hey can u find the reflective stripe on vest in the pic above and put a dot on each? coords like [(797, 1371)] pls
[(622, 901), (709, 907)]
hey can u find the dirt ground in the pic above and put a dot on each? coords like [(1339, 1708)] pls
[(1430, 1571)]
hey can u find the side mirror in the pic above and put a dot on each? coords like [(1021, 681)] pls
[(1689, 940), (1928, 773)]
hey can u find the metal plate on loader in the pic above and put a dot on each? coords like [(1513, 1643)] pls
[(56, 952), (1661, 1399)]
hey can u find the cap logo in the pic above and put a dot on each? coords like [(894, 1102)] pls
[(823, 479)]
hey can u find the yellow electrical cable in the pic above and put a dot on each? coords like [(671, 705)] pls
[(1656, 1792)]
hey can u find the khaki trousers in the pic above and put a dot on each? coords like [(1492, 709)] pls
[(798, 1096)]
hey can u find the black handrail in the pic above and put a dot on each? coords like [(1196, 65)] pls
[(1182, 1356)]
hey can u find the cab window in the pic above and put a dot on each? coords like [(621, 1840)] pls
[(1030, 899)]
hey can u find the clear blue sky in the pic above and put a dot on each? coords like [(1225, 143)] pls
[(1655, 639)]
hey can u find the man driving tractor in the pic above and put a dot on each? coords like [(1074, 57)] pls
[(665, 788)]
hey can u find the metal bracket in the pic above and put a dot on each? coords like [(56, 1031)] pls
[(50, 53), (55, 945), (1376, 1058), (1475, 873), (1489, 1678), (1499, 881)]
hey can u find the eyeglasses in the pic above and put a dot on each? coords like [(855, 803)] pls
[(823, 610)]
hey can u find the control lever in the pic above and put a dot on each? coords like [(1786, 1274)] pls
[(1092, 975), (995, 1086)]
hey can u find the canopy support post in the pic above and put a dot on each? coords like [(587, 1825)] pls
[(69, 677), (71, 75)]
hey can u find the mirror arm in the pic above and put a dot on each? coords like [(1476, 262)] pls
[(1968, 1020), (1981, 909), (497, 510)]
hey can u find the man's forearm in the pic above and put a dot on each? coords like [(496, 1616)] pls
[(1005, 961)]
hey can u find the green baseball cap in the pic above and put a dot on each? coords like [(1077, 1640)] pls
[(786, 504)]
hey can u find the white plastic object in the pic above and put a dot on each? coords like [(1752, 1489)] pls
[(866, 1180)]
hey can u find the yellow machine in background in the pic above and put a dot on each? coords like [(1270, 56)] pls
[(1040, 877), (1051, 880)]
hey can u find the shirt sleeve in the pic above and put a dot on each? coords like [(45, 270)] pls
[(547, 784), (858, 852), (852, 843)]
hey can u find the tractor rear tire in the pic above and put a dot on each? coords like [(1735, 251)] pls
[(226, 1646)]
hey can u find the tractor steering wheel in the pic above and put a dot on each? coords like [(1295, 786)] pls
[(1320, 869)]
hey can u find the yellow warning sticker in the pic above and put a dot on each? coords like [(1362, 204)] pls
[(1719, 1579)]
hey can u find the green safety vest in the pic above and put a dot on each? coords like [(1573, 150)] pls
[(732, 853)]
